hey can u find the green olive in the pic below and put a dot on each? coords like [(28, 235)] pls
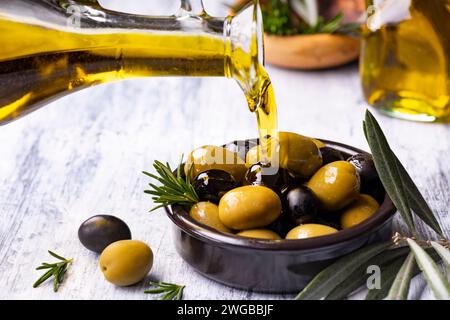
[(126, 262), (249, 207), (335, 185), (259, 234), (208, 214), (212, 157), (362, 209), (297, 154), (309, 231), (319, 144)]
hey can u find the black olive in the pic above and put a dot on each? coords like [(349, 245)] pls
[(330, 155), (277, 182), (241, 147), (365, 166), (212, 184), (300, 204), (282, 225), (370, 181), (98, 232), (375, 189)]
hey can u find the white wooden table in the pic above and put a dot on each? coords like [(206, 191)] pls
[(83, 155)]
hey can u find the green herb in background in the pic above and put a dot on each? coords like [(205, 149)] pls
[(56, 270), (171, 291), (293, 17), (400, 259)]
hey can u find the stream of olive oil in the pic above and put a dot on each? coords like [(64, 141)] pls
[(48, 63)]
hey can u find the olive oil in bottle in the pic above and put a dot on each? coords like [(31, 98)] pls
[(47, 63), (405, 62)]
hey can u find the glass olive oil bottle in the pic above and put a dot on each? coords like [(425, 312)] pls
[(405, 62), (51, 48)]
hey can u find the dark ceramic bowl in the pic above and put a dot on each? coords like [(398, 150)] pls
[(283, 266)]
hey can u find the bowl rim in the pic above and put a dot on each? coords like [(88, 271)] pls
[(181, 219)]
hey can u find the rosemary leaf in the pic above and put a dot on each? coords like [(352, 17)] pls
[(56, 256), (57, 270), (171, 291), (174, 189), (336, 273), (179, 295), (388, 169), (170, 295), (43, 278), (435, 279), (400, 287)]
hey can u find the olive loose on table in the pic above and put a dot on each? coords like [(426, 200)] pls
[(99, 231), (126, 262), (276, 181), (362, 209), (208, 214), (309, 231), (297, 154), (249, 207), (300, 205), (259, 234), (211, 185), (213, 157), (335, 185), (330, 155)]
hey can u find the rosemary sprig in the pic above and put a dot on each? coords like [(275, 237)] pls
[(57, 270), (174, 189), (171, 291)]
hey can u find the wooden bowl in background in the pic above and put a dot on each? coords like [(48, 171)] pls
[(317, 51), (310, 52)]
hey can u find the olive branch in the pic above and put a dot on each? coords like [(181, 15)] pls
[(401, 258)]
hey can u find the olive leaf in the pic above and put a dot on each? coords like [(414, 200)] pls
[(442, 251), (417, 202), (336, 273), (400, 287), (359, 277), (435, 279), (388, 168), (388, 274), (396, 180)]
